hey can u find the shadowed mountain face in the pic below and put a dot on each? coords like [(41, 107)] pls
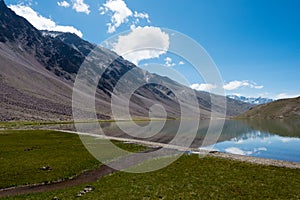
[(280, 109), (38, 69)]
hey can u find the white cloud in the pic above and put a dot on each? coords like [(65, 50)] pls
[(63, 4), (80, 6), (142, 16), (142, 43), (120, 13), (77, 5), (233, 85), (132, 26), (181, 63), (29, 2), (285, 96), (203, 86), (40, 22), (168, 62)]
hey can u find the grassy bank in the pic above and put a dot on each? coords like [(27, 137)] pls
[(192, 178), (19, 124), (24, 154)]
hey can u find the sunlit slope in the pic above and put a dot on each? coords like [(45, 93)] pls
[(283, 108)]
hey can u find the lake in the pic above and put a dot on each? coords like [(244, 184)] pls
[(273, 139)]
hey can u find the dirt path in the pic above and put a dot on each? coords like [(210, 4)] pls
[(86, 177)]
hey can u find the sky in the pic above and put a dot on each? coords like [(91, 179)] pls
[(255, 44)]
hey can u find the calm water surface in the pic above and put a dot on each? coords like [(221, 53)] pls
[(273, 139)]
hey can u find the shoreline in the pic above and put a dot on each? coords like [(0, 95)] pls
[(242, 158), (256, 160)]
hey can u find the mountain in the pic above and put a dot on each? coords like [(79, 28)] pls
[(38, 70), (251, 100), (283, 108)]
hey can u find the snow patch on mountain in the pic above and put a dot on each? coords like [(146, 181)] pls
[(251, 100)]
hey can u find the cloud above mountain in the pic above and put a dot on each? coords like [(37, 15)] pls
[(234, 85), (40, 22), (63, 4), (142, 43), (203, 86), (120, 13), (80, 6), (169, 62)]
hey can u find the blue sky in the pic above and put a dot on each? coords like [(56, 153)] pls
[(254, 43)]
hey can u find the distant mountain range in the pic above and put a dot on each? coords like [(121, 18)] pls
[(251, 100), (280, 109), (38, 69)]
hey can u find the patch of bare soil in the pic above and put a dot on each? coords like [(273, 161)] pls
[(86, 177)]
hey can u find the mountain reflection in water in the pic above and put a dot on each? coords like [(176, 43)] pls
[(273, 139)]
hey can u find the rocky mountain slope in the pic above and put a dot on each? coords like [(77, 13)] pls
[(283, 108), (38, 69)]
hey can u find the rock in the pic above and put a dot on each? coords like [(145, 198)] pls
[(46, 168), (79, 195), (87, 189)]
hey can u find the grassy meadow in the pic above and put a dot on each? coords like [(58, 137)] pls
[(192, 178), (23, 153)]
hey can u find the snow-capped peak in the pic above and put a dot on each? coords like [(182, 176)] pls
[(251, 100)]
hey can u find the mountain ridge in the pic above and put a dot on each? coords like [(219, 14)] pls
[(251, 100), (279, 109)]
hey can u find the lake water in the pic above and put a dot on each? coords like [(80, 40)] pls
[(273, 139)]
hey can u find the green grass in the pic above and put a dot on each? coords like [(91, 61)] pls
[(24, 153), (192, 178), (18, 124), (15, 124), (130, 147)]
